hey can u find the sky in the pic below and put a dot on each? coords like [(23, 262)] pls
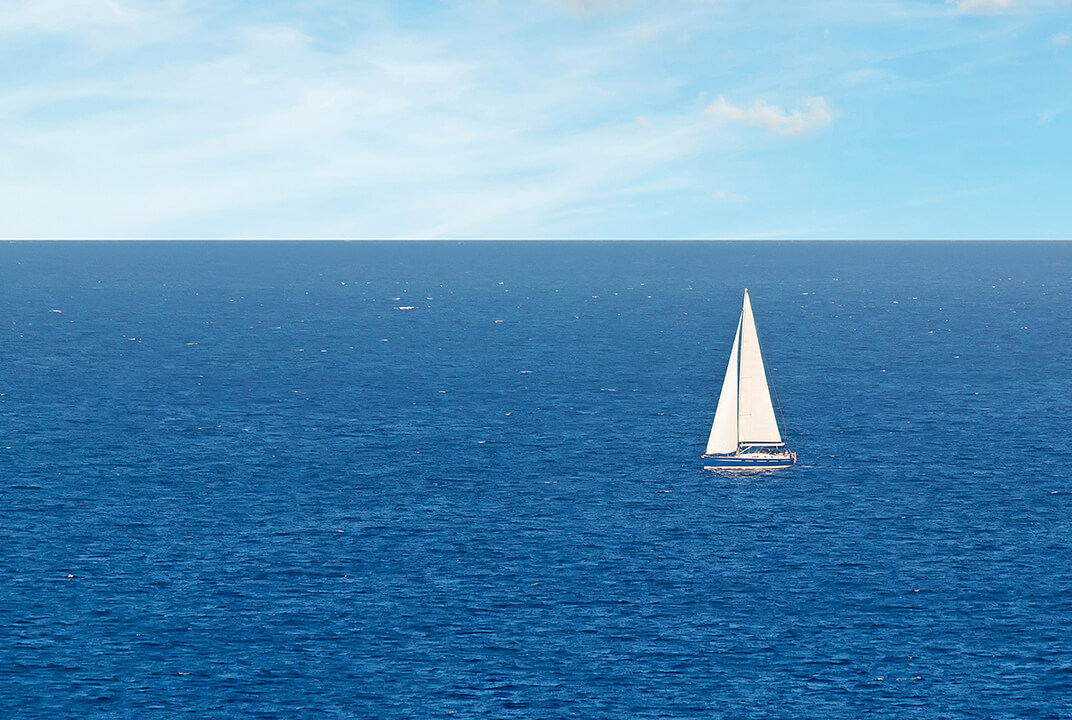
[(532, 119)]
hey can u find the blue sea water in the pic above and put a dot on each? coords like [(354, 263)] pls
[(236, 480)]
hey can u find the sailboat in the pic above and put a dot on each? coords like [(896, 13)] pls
[(744, 434)]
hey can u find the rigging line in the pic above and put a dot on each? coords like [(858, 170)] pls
[(777, 403)]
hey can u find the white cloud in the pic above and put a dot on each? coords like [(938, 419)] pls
[(1005, 7), (112, 25), (727, 196), (1059, 39), (982, 7), (65, 15), (392, 137), (794, 122), (590, 7), (276, 121)]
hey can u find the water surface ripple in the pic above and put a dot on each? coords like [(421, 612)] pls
[(239, 481)]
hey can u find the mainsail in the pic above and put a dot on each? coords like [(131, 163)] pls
[(756, 423), (745, 413)]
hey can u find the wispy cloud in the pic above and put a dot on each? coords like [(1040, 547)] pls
[(580, 8), (815, 115), (1005, 7), (108, 25), (181, 118), (728, 197), (392, 137), (62, 15), (863, 76), (983, 7)]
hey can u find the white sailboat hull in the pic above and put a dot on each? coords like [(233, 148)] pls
[(749, 461)]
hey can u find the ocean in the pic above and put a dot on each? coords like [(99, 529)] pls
[(463, 480)]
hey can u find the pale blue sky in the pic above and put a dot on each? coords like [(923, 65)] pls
[(536, 119)]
